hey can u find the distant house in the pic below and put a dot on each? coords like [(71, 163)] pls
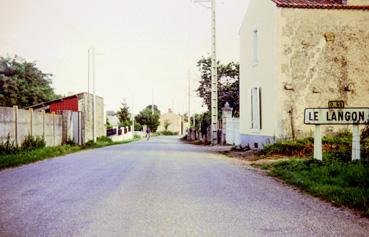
[(174, 123), (112, 118), (297, 54), (82, 102)]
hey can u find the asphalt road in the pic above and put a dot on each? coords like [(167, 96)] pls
[(159, 188)]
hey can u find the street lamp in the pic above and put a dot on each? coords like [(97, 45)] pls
[(214, 73)]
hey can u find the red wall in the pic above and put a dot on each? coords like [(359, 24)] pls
[(67, 104)]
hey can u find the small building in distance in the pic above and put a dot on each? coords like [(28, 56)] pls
[(297, 54), (174, 123), (112, 118), (83, 103)]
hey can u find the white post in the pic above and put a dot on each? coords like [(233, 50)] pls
[(318, 143), (355, 142), (214, 78)]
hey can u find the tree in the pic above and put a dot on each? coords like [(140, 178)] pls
[(228, 84), (124, 116), (23, 84), (166, 124), (146, 117)]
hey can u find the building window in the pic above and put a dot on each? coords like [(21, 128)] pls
[(255, 108), (255, 56)]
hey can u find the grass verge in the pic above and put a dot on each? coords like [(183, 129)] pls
[(342, 183), (26, 157)]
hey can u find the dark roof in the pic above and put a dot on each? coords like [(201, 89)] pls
[(324, 4)]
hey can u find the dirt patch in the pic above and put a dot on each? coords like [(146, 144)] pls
[(250, 157)]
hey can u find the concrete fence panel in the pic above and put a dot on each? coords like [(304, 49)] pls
[(19, 123), (7, 123), (38, 124), (23, 125), (58, 130)]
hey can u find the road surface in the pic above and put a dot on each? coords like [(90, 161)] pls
[(159, 188)]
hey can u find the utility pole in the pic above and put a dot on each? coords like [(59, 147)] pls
[(94, 96), (92, 72), (87, 105), (214, 78), (189, 97), (214, 74)]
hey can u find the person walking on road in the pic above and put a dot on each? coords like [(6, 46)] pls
[(148, 131)]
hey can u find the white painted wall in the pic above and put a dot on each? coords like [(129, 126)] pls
[(263, 16)]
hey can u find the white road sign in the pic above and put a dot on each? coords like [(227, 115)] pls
[(327, 116)]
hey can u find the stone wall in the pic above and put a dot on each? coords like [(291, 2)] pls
[(324, 56)]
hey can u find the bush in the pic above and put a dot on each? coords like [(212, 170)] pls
[(100, 141), (32, 143), (70, 142), (90, 143), (8, 147), (295, 147), (167, 133), (337, 147), (103, 139)]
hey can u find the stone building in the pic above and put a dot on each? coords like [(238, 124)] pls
[(82, 102), (297, 54), (174, 122)]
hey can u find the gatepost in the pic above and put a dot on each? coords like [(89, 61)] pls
[(336, 114)]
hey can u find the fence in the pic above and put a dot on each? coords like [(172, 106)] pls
[(119, 134), (54, 128)]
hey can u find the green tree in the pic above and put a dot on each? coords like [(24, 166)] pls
[(228, 84), (166, 124), (23, 84), (146, 117), (124, 116)]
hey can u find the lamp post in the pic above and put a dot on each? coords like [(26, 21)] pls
[(214, 74)]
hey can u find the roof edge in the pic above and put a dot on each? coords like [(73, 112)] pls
[(280, 3)]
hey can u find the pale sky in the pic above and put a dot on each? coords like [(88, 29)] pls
[(145, 45)]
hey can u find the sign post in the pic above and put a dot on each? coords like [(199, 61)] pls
[(318, 151), (355, 142), (336, 116)]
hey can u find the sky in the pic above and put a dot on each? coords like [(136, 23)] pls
[(145, 50)]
